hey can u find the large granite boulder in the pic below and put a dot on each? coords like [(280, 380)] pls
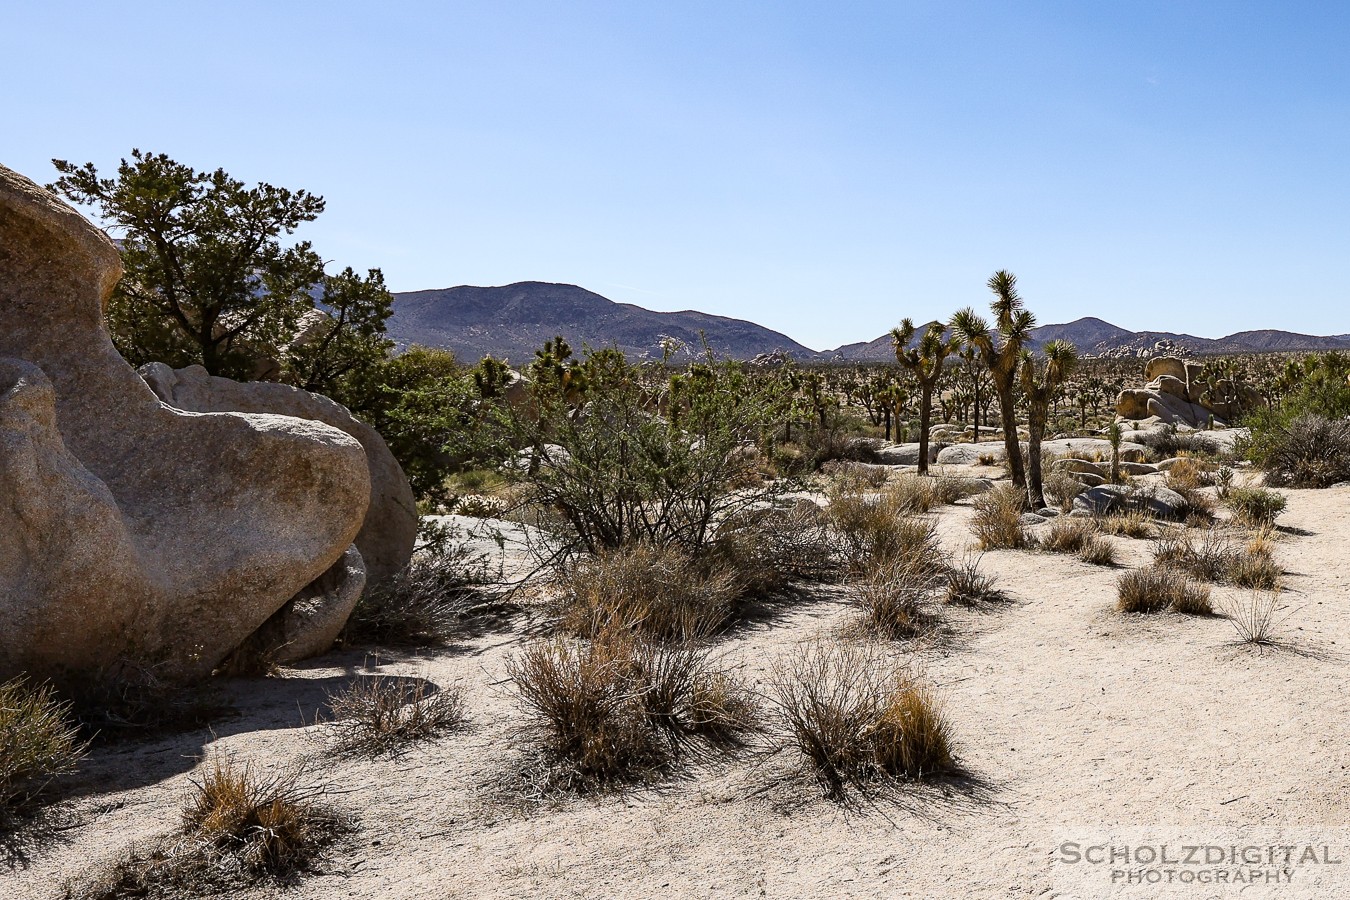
[(130, 529), (1153, 500), (1165, 365), (390, 528)]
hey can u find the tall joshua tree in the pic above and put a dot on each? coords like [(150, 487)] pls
[(925, 361), (1001, 351), (1041, 385)]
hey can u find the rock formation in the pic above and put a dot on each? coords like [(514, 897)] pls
[(129, 529), (390, 528), (1179, 393)]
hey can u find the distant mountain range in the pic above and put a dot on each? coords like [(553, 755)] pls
[(510, 322)]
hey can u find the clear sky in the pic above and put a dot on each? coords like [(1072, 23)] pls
[(821, 168)]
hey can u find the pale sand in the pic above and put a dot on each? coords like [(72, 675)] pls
[(1071, 716)]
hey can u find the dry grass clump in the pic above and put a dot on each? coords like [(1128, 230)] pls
[(1216, 557), (1188, 474), (856, 475), (1254, 618), (880, 529), (39, 741), (1156, 588), (1168, 442), (1062, 487), (1131, 524), (1255, 506), (621, 710), (997, 523), (384, 713), (768, 549), (660, 592), (858, 722), (894, 599), (1079, 535), (241, 827), (428, 602), (968, 586)]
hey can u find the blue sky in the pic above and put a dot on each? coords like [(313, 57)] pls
[(821, 168)]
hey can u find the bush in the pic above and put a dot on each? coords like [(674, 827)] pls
[(894, 598), (39, 741), (876, 530), (857, 722), (1255, 506), (382, 713), (968, 586), (1155, 589), (1310, 451), (622, 710), (1254, 619), (659, 592), (767, 549), (1217, 558), (1132, 524), (1062, 488), (1098, 551), (430, 600), (1167, 442), (997, 523), (1069, 535)]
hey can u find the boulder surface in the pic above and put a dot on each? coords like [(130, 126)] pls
[(129, 529)]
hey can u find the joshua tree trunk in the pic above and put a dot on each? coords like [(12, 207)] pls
[(925, 415), (1036, 419), (1008, 413), (886, 413), (976, 416)]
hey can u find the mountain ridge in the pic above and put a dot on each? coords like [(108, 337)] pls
[(511, 321)]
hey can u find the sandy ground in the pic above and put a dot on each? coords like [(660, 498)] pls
[(1076, 724)]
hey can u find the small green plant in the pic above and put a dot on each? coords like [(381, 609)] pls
[(1256, 506)]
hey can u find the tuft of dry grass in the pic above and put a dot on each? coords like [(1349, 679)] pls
[(242, 827), (39, 742), (1254, 618), (857, 722), (997, 523), (1062, 488), (1069, 535), (880, 529), (894, 600), (968, 586), (622, 710), (384, 713), (661, 592), (1132, 524), (768, 549), (1098, 551), (1217, 557), (1157, 588)]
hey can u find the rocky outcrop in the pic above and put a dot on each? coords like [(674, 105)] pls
[(390, 527), (1153, 500), (1178, 393), (994, 453), (128, 528)]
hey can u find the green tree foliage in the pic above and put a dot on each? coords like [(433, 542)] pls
[(209, 280)]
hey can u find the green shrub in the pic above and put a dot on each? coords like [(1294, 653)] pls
[(39, 741), (1256, 506)]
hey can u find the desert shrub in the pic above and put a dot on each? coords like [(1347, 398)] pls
[(894, 599), (1254, 618), (383, 713), (876, 529), (1167, 442), (1301, 450), (857, 722), (661, 592), (623, 710), (241, 827), (480, 507), (1256, 506), (997, 523), (1068, 535), (1061, 487), (1188, 474), (767, 549), (39, 741), (1133, 524), (1098, 551), (1156, 588), (444, 585), (949, 489), (856, 475), (1217, 557), (968, 586)]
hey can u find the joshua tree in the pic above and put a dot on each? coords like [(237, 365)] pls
[(892, 399), (1013, 323), (1040, 388), (1113, 434), (925, 361)]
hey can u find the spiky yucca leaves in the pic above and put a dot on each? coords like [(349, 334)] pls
[(1001, 350), (925, 361), (1040, 385)]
